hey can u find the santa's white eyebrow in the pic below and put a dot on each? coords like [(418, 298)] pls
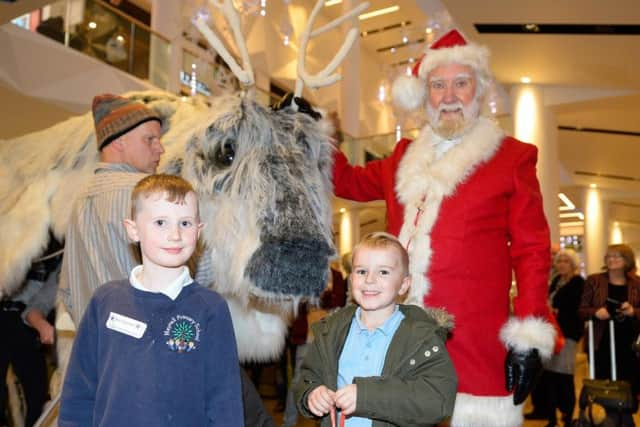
[(459, 76)]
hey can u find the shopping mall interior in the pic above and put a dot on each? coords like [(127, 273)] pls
[(565, 80)]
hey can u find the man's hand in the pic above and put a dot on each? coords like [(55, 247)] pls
[(522, 371), (45, 329), (321, 401), (302, 104), (346, 399)]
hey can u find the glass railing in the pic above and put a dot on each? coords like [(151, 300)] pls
[(374, 147), (97, 29)]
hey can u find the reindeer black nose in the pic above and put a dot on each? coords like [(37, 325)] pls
[(291, 267)]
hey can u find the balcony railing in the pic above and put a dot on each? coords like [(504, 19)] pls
[(100, 30)]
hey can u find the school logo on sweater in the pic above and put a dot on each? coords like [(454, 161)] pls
[(183, 333)]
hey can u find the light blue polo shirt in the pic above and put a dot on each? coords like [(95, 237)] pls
[(364, 353)]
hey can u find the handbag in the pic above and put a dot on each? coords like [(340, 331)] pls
[(611, 394)]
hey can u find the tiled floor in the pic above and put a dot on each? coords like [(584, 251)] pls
[(581, 372)]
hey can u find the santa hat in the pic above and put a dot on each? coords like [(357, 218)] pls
[(409, 92)]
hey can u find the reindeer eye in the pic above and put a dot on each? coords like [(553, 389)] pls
[(226, 152)]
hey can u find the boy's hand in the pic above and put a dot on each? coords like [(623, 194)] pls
[(346, 399), (321, 401)]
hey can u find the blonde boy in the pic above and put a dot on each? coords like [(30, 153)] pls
[(157, 349), (379, 363)]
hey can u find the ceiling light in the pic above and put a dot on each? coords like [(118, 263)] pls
[(392, 50), (120, 38), (342, 210), (332, 2), (405, 39), (532, 28), (525, 79), (92, 25), (382, 93), (568, 204), (379, 12), (593, 185), (428, 30)]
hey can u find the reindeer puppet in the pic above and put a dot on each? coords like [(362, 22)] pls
[(262, 177)]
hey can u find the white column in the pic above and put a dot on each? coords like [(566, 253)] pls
[(596, 230), (350, 98), (535, 124), (350, 95), (165, 65), (616, 236), (349, 230)]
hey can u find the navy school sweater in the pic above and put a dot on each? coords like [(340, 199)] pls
[(182, 371)]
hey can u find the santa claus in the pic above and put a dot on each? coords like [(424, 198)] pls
[(465, 200)]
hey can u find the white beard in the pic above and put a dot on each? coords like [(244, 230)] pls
[(453, 128)]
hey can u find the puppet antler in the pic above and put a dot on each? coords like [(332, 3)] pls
[(324, 77), (244, 73)]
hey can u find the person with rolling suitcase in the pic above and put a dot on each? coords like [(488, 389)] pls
[(613, 297), (613, 396)]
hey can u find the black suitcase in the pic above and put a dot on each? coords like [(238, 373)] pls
[(614, 396)]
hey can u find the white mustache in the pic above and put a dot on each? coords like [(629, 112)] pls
[(450, 107)]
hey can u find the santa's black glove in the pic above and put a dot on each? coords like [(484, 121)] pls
[(303, 105), (522, 371)]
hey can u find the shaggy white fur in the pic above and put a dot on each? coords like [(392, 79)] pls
[(474, 411), (277, 187), (530, 332)]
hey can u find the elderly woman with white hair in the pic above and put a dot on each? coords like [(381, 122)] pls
[(565, 293)]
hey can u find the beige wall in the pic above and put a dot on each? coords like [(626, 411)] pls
[(20, 114)]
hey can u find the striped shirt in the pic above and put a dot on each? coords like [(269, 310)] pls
[(97, 249)]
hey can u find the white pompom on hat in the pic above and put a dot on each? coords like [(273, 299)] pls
[(409, 92)]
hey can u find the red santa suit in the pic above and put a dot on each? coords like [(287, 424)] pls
[(468, 219)]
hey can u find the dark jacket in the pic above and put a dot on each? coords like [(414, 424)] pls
[(594, 296), (418, 382), (567, 301)]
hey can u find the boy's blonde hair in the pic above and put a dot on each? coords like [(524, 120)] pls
[(174, 189), (384, 240)]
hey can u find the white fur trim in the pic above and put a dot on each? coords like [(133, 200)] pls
[(530, 332), (422, 182), (486, 411), (259, 335), (408, 92), (25, 228), (473, 55)]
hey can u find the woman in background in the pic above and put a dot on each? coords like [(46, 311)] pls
[(565, 293), (614, 294)]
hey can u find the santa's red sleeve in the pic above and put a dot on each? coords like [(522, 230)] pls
[(531, 325)]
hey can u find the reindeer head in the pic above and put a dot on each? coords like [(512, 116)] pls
[(263, 181), (265, 175)]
